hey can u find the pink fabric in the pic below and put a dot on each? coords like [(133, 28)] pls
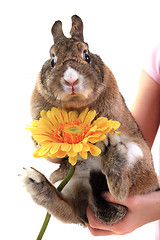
[(152, 66)]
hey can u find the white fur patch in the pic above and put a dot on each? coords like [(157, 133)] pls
[(71, 75), (134, 153)]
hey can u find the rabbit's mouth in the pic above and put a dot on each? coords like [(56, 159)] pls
[(73, 100), (74, 97)]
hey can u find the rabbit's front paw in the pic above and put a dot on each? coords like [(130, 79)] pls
[(37, 186), (115, 168)]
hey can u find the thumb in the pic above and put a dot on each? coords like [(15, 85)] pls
[(109, 198)]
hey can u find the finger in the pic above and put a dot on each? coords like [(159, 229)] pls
[(94, 223), (98, 232), (95, 226), (108, 197)]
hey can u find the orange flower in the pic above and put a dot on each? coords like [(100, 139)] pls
[(62, 133)]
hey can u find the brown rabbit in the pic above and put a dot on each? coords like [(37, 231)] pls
[(74, 78)]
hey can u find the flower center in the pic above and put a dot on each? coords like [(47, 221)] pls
[(72, 132)]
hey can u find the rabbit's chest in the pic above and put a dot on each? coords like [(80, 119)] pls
[(80, 179)]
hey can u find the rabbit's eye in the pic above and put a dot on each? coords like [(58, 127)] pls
[(53, 60), (86, 57)]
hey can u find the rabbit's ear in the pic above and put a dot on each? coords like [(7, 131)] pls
[(57, 31), (77, 28)]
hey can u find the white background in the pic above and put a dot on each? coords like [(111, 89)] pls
[(121, 32)]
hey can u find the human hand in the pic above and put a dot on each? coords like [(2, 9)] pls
[(142, 209)]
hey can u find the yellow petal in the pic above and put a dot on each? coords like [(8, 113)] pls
[(100, 138), (71, 153), (34, 123), (45, 149), (52, 119), (116, 124), (41, 138), (101, 120), (73, 160), (64, 115), (66, 147), (42, 113), (94, 150), (36, 153), (77, 147), (118, 133), (93, 136), (89, 118), (57, 114), (83, 154), (39, 130), (91, 131), (86, 147), (52, 155), (60, 154), (46, 125), (73, 115), (83, 115), (55, 148)]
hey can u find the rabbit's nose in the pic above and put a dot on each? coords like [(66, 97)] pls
[(71, 83)]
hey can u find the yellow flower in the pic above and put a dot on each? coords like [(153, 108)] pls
[(62, 133)]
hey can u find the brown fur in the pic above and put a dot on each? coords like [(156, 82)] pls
[(118, 171)]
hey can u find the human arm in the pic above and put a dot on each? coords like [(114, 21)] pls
[(146, 108), (146, 111)]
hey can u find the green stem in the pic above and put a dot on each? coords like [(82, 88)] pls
[(44, 226), (59, 188), (66, 179)]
